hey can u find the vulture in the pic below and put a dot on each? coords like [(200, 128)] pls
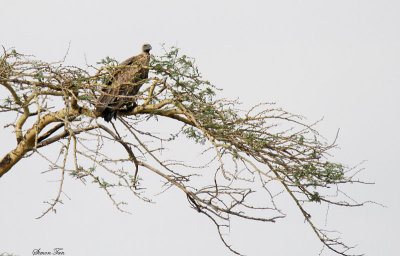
[(125, 81)]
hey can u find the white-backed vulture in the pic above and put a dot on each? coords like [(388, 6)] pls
[(125, 81)]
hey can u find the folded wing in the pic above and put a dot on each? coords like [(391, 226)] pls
[(124, 83)]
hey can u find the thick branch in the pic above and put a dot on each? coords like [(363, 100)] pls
[(28, 141), (64, 134)]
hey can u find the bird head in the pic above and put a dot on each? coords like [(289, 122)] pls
[(146, 48)]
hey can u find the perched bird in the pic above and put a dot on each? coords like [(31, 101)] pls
[(125, 81)]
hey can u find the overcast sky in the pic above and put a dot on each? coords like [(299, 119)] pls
[(334, 59)]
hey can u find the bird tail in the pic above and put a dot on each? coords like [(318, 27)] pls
[(108, 114)]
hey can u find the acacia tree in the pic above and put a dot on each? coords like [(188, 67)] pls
[(250, 159)]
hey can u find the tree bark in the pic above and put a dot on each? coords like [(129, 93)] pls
[(28, 141)]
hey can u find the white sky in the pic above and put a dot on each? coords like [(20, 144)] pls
[(334, 59)]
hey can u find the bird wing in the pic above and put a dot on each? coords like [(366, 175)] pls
[(114, 75), (127, 80), (109, 96), (121, 82)]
